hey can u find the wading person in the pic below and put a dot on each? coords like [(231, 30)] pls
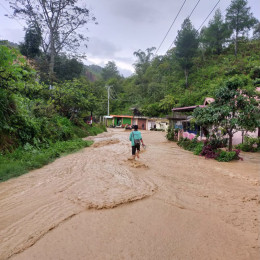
[(136, 140)]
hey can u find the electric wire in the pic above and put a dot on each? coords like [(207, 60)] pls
[(170, 27), (201, 24), (208, 15), (11, 14), (116, 97), (188, 17), (193, 9)]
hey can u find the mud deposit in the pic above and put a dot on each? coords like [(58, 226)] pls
[(184, 207)]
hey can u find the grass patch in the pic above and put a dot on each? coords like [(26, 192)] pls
[(21, 160), (34, 155)]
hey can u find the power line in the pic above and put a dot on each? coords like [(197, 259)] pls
[(209, 14), (203, 21), (188, 17), (170, 26), (11, 14), (193, 9)]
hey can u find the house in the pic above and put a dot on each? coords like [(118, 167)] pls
[(122, 120), (141, 121), (179, 120), (107, 120), (148, 123), (162, 123)]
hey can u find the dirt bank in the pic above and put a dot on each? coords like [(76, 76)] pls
[(184, 207)]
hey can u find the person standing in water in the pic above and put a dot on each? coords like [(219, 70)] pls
[(136, 140)]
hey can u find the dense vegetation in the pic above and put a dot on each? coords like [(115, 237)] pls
[(39, 122), (209, 149)]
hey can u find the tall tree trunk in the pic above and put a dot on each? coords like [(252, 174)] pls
[(52, 56), (236, 43), (186, 72), (230, 142)]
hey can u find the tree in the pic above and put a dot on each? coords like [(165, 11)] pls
[(67, 69), (144, 59), (59, 22), (234, 109), (186, 47), (73, 98), (167, 103), (142, 64), (110, 71), (239, 19), (216, 34), (257, 32), (32, 41)]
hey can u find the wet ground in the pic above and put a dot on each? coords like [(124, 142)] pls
[(98, 204)]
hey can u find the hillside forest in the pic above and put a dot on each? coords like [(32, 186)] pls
[(48, 94)]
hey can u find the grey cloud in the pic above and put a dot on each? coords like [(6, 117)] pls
[(135, 11), (101, 48), (125, 59), (124, 72)]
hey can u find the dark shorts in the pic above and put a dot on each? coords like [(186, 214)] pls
[(134, 148)]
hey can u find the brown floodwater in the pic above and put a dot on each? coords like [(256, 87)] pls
[(98, 204)]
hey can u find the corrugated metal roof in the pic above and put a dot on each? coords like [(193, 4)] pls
[(122, 116), (186, 108)]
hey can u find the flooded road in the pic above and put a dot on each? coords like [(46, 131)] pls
[(97, 204)]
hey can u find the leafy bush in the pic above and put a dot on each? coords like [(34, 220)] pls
[(209, 152), (184, 143), (226, 156), (250, 144), (95, 129), (171, 134), (188, 144), (198, 149), (218, 142)]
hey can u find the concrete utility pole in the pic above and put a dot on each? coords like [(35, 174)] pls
[(108, 95)]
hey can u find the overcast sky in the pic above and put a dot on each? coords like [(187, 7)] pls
[(125, 26)]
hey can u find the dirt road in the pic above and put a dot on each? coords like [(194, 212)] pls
[(97, 204)]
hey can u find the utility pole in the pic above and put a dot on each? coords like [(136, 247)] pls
[(108, 95)]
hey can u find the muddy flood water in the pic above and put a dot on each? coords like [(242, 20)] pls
[(97, 204)]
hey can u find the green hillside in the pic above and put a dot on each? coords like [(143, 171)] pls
[(210, 71), (161, 86)]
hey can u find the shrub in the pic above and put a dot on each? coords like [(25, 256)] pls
[(193, 144), (188, 144), (28, 157), (227, 156), (218, 143), (209, 152), (250, 144), (172, 134), (198, 148), (184, 143), (95, 129)]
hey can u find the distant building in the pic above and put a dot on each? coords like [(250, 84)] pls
[(122, 120)]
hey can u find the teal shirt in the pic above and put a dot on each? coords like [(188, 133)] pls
[(135, 135)]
